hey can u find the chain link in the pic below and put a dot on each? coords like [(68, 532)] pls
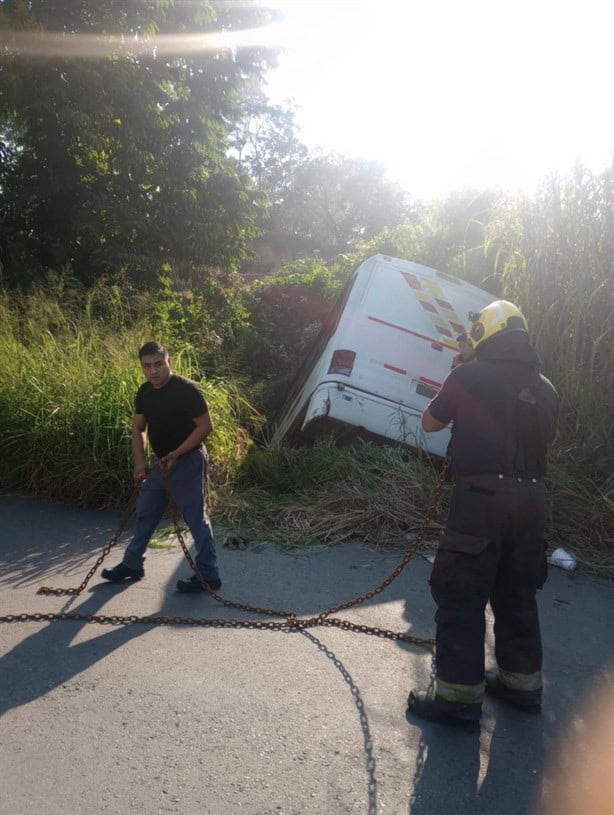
[(122, 525), (291, 623)]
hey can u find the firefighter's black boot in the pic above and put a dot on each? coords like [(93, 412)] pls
[(435, 709), (528, 700)]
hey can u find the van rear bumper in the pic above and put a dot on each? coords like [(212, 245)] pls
[(341, 404)]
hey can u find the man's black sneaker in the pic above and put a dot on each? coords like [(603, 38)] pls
[(120, 573), (528, 700), (192, 585), (434, 709)]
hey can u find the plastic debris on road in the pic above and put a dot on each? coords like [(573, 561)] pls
[(565, 560)]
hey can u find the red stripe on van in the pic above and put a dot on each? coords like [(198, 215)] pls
[(430, 382), (394, 368), (413, 333)]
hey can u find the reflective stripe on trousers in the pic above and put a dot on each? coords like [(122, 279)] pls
[(453, 692), (518, 681)]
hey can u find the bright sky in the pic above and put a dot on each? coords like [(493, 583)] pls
[(447, 93)]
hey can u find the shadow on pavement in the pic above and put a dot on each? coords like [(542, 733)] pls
[(503, 770), (370, 764), (54, 654), (449, 772), (47, 659), (496, 772), (41, 538)]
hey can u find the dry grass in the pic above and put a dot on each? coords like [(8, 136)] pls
[(335, 517), (583, 516), (383, 496), (375, 494)]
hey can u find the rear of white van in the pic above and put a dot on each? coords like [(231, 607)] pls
[(391, 350)]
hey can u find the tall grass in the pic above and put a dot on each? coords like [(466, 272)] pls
[(65, 417), (555, 256), (67, 400)]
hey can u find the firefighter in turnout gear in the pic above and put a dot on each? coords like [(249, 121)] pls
[(503, 414)]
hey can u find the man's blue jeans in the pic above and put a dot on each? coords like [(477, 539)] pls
[(188, 480)]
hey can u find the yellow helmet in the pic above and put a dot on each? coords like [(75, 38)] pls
[(496, 317)]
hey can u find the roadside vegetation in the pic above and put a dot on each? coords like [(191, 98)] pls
[(191, 213), (67, 398), (68, 375)]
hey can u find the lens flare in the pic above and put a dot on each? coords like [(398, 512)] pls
[(53, 45)]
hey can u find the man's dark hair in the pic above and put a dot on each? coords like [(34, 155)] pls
[(151, 348)]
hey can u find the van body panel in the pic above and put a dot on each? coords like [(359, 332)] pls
[(372, 415), (400, 320)]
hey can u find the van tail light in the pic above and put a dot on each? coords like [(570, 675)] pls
[(426, 390), (342, 362)]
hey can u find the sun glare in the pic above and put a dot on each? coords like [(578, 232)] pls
[(443, 94), (447, 94), (46, 45)]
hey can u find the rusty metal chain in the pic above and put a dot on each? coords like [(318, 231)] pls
[(271, 612), (291, 623), (409, 553), (122, 525)]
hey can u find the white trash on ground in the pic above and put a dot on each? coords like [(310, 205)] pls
[(560, 557)]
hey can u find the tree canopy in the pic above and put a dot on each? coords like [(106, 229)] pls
[(119, 160)]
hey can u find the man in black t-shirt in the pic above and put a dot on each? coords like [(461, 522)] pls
[(503, 414), (173, 413)]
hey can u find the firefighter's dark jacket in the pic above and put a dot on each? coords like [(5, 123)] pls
[(503, 410)]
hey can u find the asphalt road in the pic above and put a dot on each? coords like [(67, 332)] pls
[(216, 721)]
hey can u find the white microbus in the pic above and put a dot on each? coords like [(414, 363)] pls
[(382, 355)]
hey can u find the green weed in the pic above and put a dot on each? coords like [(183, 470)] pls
[(67, 400)]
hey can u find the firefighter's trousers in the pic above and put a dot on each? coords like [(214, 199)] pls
[(491, 550)]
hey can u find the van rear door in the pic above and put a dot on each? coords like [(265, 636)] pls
[(409, 319)]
